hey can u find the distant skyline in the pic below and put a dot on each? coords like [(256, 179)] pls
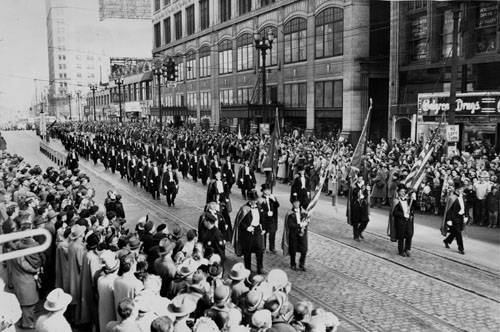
[(24, 55)]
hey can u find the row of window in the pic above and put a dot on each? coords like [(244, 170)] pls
[(244, 6), (328, 38), (132, 92)]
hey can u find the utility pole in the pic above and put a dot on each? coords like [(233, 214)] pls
[(93, 87), (69, 104), (454, 64), (262, 44), (78, 105), (119, 83)]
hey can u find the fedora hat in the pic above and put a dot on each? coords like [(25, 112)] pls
[(181, 305), (57, 300), (222, 293), (238, 272), (134, 243), (252, 195), (185, 271), (109, 261), (254, 300)]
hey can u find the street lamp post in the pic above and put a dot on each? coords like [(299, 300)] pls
[(263, 44), (119, 83), (93, 87), (78, 105), (69, 104), (159, 72)]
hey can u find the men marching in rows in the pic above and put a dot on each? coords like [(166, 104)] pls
[(170, 184)]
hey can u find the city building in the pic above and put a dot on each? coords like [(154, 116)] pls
[(129, 87), (420, 68), (81, 38), (328, 57)]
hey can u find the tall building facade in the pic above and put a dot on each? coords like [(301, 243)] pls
[(75, 56), (420, 68), (328, 57)]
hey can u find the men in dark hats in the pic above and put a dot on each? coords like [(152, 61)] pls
[(246, 179), (269, 205), (203, 169), (169, 183), (359, 213), (454, 217), (295, 234), (249, 232), (402, 218), (212, 238), (300, 189)]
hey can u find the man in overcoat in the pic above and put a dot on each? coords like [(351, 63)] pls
[(300, 189), (295, 235), (269, 205), (249, 232), (454, 217), (402, 215)]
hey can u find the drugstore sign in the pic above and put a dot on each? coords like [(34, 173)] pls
[(470, 103)]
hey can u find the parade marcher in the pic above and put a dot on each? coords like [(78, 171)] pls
[(184, 163), (169, 183), (402, 217), (217, 190), (131, 168), (295, 235), (246, 179), (72, 160), (249, 233), (94, 152), (203, 169), (228, 173), (154, 180), (359, 215), (300, 189), (56, 303), (454, 217), (112, 158), (269, 205)]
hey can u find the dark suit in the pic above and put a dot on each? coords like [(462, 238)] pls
[(359, 216), (403, 226), (112, 160), (154, 179), (203, 170), (72, 161), (269, 208), (297, 238), (228, 174), (246, 182), (170, 184), (184, 164), (193, 167), (250, 241), (453, 214), (301, 192)]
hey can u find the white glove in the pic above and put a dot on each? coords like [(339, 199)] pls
[(449, 223), (250, 228), (413, 196)]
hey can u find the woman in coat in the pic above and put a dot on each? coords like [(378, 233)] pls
[(379, 191), (282, 167), (23, 273)]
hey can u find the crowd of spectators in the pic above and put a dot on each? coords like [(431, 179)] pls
[(97, 275)]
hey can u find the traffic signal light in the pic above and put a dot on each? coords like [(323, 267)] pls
[(171, 70)]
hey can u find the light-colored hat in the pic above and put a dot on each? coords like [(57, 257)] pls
[(277, 278), (77, 231), (262, 319), (109, 261), (181, 305), (57, 300), (239, 272)]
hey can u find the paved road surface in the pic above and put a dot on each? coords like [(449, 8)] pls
[(366, 284)]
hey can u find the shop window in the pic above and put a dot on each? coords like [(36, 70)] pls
[(244, 49), (295, 95), (295, 40), (486, 27), (330, 32)]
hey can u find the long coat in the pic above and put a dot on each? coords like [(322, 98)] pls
[(380, 185), (62, 267), (90, 265), (451, 212), (23, 271), (107, 311), (399, 222), (269, 214), (76, 252), (293, 239), (245, 241), (301, 193)]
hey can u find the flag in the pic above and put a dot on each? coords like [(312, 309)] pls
[(317, 194), (360, 147), (272, 155), (240, 137), (414, 178)]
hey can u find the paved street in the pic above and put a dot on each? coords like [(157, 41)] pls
[(366, 284)]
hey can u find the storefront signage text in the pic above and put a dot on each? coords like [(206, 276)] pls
[(466, 103)]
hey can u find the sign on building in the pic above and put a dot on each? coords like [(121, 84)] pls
[(121, 67), (126, 9), (452, 133), (469, 103)]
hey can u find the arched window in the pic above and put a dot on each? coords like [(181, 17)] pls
[(272, 54), (225, 56), (191, 66), (329, 32), (244, 51), (295, 40), (205, 61)]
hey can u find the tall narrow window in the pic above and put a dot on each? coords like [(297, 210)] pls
[(244, 6), (244, 49), (157, 34), (167, 30), (204, 15), (157, 5), (328, 94), (225, 10), (190, 20), (418, 41), (180, 69), (191, 66), (205, 61), (266, 2), (225, 57), (295, 40), (178, 25), (272, 54), (486, 27), (329, 32)]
